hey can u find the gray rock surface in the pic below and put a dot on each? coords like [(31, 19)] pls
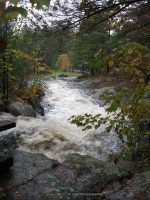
[(6, 124), (31, 177), (19, 108), (36, 177), (39, 109), (7, 147), (136, 188)]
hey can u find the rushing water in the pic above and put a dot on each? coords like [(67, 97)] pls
[(54, 136)]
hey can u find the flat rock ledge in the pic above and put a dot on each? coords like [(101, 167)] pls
[(36, 177)]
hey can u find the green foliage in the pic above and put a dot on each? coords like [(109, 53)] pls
[(134, 60), (40, 3), (130, 106), (22, 64), (8, 54), (11, 12), (27, 61), (14, 2), (86, 121), (90, 48)]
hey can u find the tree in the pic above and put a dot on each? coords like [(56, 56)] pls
[(63, 62), (8, 13), (130, 107)]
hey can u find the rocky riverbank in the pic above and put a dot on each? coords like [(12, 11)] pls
[(78, 177), (28, 108), (36, 177)]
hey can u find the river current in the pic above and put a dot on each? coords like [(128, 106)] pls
[(53, 135)]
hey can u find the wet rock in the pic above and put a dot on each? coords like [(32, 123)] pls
[(140, 184), (5, 125), (62, 75), (32, 177), (36, 103), (20, 108), (7, 147), (88, 175), (145, 126), (6, 163), (40, 110), (136, 188), (36, 177), (53, 77)]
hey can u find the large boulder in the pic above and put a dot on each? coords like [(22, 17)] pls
[(88, 175), (20, 108), (36, 177), (35, 102), (39, 109), (7, 147), (32, 177), (137, 188)]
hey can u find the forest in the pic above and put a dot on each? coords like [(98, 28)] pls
[(105, 44)]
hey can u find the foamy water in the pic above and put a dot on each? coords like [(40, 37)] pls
[(54, 136)]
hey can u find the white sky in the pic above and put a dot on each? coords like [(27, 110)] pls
[(48, 14)]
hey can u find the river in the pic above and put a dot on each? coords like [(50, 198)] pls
[(53, 135)]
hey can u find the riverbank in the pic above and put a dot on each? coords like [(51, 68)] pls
[(78, 162)]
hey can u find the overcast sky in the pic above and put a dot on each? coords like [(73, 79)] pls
[(46, 16)]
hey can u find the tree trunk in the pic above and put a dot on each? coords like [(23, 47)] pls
[(107, 68), (83, 70), (92, 72), (5, 70), (4, 82)]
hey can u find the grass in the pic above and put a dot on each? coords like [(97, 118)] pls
[(69, 73), (48, 76)]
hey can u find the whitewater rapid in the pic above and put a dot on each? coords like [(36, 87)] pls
[(54, 136)]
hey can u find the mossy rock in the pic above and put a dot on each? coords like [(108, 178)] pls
[(96, 166)]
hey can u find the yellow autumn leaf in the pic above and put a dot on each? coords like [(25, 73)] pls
[(137, 72), (147, 133), (130, 51), (34, 90), (111, 63), (19, 99), (141, 80)]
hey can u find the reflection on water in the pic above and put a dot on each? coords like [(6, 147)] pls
[(54, 136)]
